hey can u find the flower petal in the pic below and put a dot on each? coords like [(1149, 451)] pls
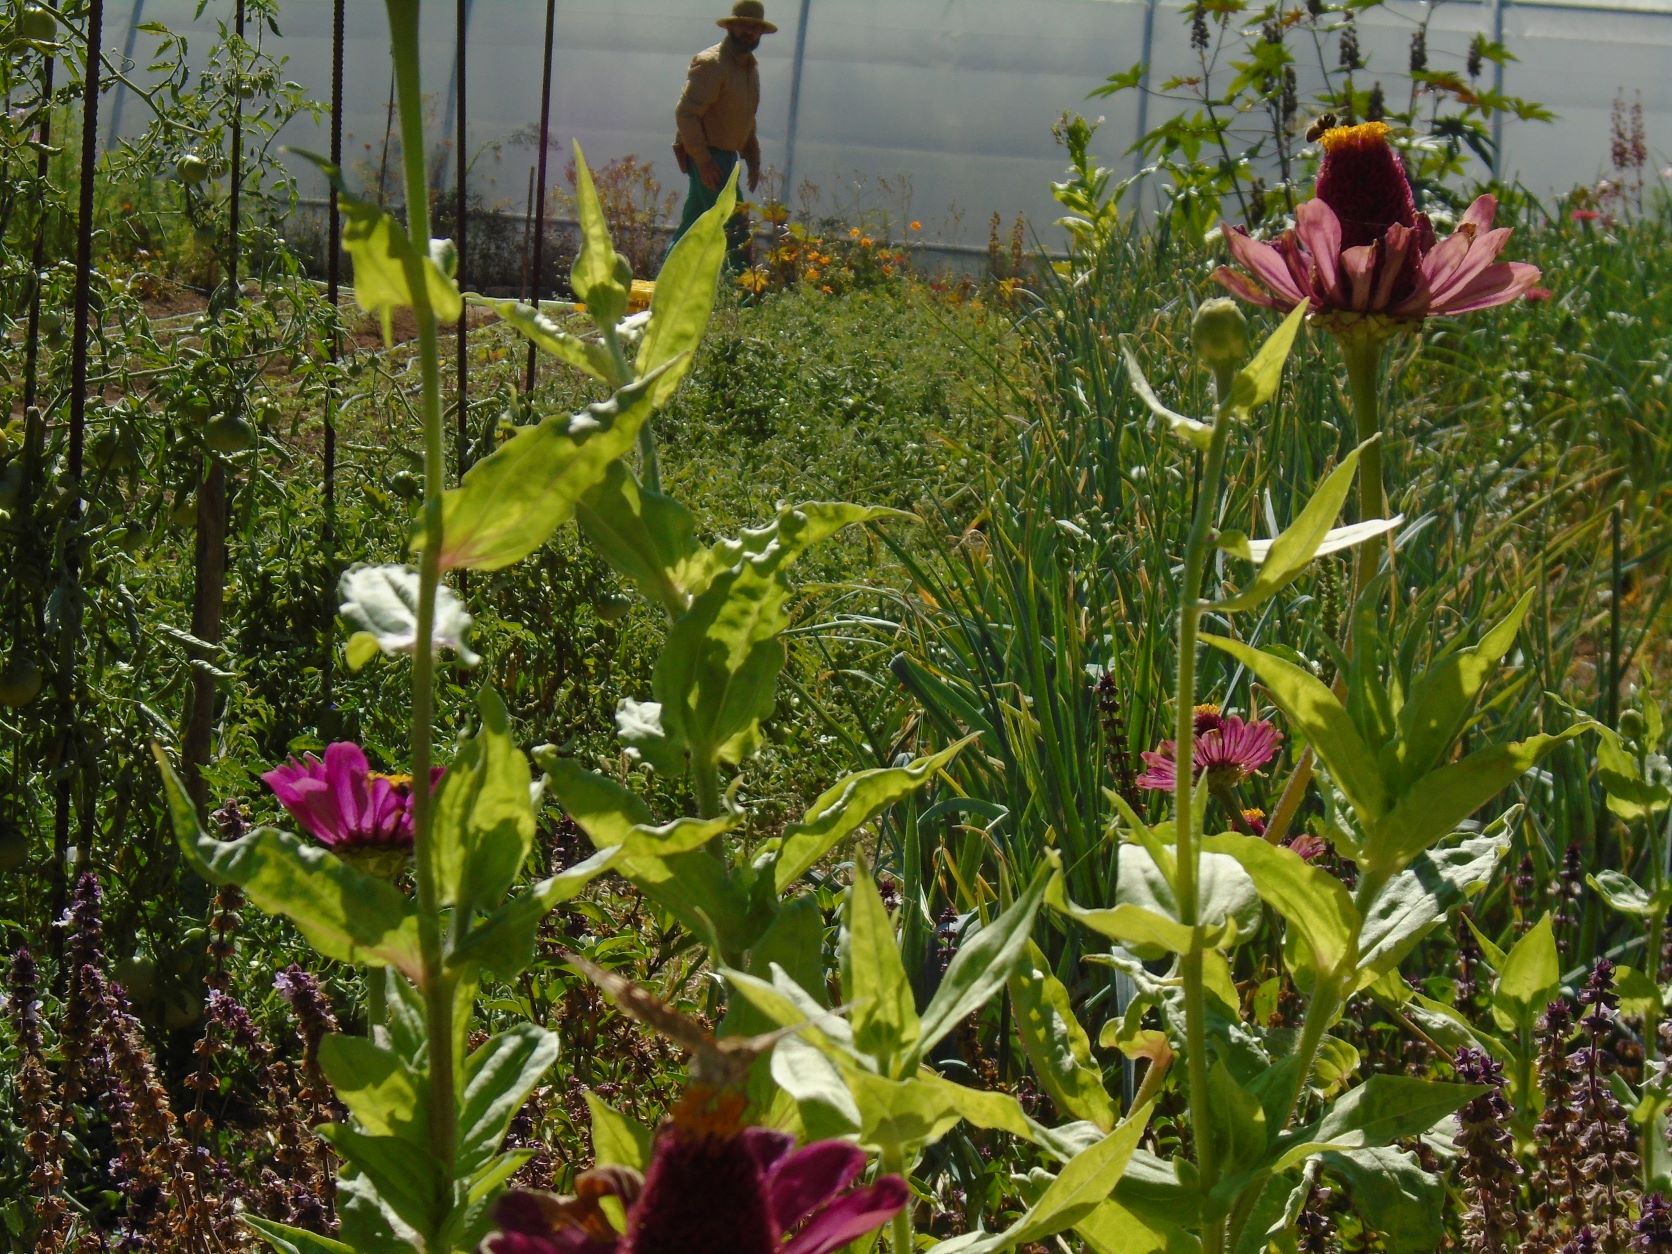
[(1358, 268), (1496, 285), (303, 792), (1242, 287), (767, 1146), (798, 1185), (1480, 214), (1396, 248), (1320, 230), (346, 770), (1266, 262), (851, 1216), (1483, 251)]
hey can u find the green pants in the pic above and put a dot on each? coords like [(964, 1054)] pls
[(699, 200)]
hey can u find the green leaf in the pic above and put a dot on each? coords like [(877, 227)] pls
[(513, 499), (848, 805), (382, 602), (718, 668), (1385, 1108), (600, 277), (647, 537), (385, 259), (1056, 1044), (1239, 1127), (1437, 803), (534, 326), (981, 966), (1226, 902), (288, 1240), (1146, 932), (1084, 1183), (1401, 1201), (874, 981), (1631, 797), (1530, 975), (385, 1095), (1291, 552), (666, 863), (1198, 435), (1311, 901), (498, 1078), (822, 1098), (617, 1141), (685, 291), (1257, 382), (503, 942), (407, 1179), (1411, 903), (484, 816), (1624, 894), (1439, 703), (344, 913), (1311, 707)]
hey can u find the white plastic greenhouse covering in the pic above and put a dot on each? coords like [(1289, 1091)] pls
[(935, 109)]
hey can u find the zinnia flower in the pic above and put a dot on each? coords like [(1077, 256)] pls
[(1361, 248), (344, 804), (1226, 754), (712, 1187)]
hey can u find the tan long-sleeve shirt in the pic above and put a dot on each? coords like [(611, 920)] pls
[(717, 109)]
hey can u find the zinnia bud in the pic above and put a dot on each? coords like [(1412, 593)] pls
[(1219, 332)]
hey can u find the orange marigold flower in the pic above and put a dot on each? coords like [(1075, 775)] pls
[(916, 225), (853, 232)]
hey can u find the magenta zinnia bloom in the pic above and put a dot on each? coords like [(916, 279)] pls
[(711, 1188), (1226, 754), (344, 804), (1360, 247)]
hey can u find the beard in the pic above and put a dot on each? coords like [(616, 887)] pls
[(745, 43)]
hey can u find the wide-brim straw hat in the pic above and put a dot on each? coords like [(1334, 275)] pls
[(748, 13)]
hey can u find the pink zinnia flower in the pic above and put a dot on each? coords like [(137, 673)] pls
[(1227, 754), (711, 1188), (1360, 247), (344, 804), (1308, 846)]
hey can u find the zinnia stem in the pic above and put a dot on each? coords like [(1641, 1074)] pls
[(893, 1163), (437, 989), (1196, 556), (1362, 353)]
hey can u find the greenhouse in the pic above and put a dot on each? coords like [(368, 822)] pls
[(676, 626)]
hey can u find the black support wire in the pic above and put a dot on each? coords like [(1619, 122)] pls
[(333, 288), (461, 228), (209, 599), (69, 627), (540, 179), (32, 348)]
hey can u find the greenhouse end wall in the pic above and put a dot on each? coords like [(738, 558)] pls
[(939, 110)]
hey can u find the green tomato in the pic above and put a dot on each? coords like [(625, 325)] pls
[(184, 512), (137, 976), (406, 485), (21, 682), (194, 407), (52, 321), (611, 606), (192, 169), (38, 24), (227, 433)]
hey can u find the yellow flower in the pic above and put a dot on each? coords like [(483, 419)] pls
[(753, 281), (811, 274), (775, 212), (916, 225), (827, 289), (853, 232), (867, 242)]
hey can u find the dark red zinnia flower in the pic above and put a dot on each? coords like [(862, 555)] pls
[(713, 1187), (1227, 754), (1360, 247)]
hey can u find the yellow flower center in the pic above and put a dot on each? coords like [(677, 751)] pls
[(1338, 137)]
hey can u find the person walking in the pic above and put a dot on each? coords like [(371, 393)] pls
[(716, 119)]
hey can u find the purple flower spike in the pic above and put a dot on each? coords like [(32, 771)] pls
[(345, 805)]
